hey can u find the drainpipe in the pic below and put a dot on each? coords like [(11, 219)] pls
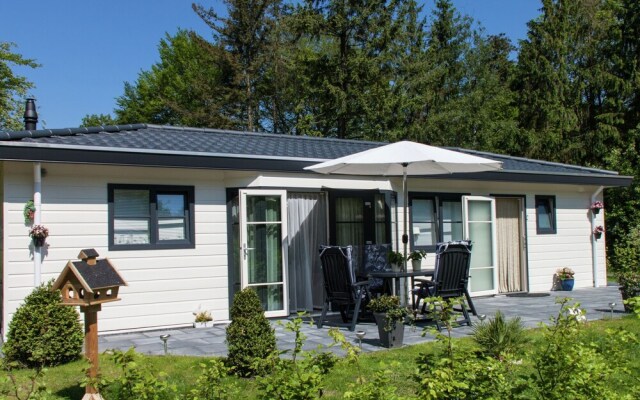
[(594, 243), (37, 201)]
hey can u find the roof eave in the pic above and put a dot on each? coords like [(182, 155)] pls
[(21, 151)]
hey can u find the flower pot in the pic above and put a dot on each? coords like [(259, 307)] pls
[(389, 339), (205, 324), (395, 267), (567, 284), (595, 211), (416, 265), (598, 235), (38, 241)]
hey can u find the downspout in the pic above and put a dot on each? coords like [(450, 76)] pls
[(37, 202), (594, 243)]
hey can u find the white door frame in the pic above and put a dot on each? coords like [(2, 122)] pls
[(465, 225), (244, 250)]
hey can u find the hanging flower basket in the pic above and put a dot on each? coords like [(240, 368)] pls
[(38, 234), (29, 212), (598, 231), (596, 207)]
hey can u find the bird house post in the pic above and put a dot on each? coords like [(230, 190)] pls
[(88, 284)]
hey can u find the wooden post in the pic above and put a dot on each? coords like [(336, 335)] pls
[(91, 348)]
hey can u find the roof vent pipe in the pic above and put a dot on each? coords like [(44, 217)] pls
[(30, 115)]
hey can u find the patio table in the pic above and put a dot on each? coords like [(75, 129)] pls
[(391, 277)]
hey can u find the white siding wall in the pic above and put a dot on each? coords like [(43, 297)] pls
[(569, 247), (165, 286)]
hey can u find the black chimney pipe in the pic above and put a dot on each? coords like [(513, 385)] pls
[(30, 115)]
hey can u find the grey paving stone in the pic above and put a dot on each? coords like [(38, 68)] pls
[(211, 341)]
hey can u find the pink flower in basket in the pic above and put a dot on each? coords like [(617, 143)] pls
[(597, 205), (598, 230)]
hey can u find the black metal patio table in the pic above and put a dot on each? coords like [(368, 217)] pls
[(391, 277)]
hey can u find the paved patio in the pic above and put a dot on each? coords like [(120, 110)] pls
[(211, 341)]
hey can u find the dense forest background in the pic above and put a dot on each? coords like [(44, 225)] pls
[(382, 70)]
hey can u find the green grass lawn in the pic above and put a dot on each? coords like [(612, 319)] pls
[(63, 381)]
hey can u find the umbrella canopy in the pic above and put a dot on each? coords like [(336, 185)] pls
[(406, 158), (420, 159)]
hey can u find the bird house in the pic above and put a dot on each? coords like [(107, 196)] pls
[(90, 281)]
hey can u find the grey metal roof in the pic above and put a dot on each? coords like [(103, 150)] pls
[(143, 144)]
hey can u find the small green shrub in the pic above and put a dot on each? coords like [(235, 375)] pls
[(136, 380), (390, 306), (211, 384), (43, 332), (500, 336), (250, 337)]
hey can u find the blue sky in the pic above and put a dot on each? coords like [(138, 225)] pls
[(89, 48)]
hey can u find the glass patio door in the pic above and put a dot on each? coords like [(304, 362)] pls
[(263, 233), (480, 227)]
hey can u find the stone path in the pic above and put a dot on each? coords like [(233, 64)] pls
[(211, 341)]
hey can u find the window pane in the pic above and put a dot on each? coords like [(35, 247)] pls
[(379, 208), (422, 210), (349, 209), (424, 234), (171, 229), (452, 211), (130, 231), (263, 208), (543, 211), (171, 205), (479, 210), (131, 203), (451, 231)]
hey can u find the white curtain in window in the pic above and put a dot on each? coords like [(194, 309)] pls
[(307, 228), (508, 236)]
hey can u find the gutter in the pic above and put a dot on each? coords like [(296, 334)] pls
[(594, 242)]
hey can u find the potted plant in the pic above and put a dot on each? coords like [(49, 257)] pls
[(566, 278), (389, 316), (396, 259), (203, 319), (596, 206), (38, 234), (416, 257), (629, 285), (29, 212), (598, 231)]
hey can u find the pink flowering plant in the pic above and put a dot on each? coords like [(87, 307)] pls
[(565, 273), (598, 230), (597, 205), (38, 232)]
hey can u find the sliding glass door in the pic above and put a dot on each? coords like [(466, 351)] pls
[(263, 231)]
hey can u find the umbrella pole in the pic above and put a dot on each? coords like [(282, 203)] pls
[(405, 236)]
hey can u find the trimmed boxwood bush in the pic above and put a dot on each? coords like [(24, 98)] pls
[(250, 337), (43, 332)]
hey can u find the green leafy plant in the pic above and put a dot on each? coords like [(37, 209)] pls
[(211, 384), (416, 255), (633, 304), (43, 332), (250, 337), (629, 284), (500, 337), (390, 306), (395, 257), (137, 380), (29, 211), (13, 386), (301, 377), (568, 367)]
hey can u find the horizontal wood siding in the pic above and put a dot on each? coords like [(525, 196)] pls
[(165, 286)]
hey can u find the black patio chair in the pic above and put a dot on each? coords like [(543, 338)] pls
[(450, 279), (340, 286)]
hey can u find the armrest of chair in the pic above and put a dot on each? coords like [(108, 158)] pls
[(423, 282), (363, 283)]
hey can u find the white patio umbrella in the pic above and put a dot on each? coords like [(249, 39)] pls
[(403, 159)]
